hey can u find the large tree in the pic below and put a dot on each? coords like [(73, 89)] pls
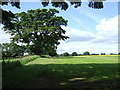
[(39, 29)]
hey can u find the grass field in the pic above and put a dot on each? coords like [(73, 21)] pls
[(65, 72)]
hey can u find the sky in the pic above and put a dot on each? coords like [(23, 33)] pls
[(93, 30)]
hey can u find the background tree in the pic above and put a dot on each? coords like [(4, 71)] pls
[(65, 54), (102, 53), (39, 29), (74, 54), (10, 50), (86, 53)]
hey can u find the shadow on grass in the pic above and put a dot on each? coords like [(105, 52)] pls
[(63, 76), (10, 65)]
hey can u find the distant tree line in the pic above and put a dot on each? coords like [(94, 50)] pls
[(85, 53)]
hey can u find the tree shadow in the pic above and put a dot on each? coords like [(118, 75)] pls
[(63, 76), (10, 65)]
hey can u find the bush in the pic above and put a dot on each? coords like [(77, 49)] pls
[(74, 54), (66, 54)]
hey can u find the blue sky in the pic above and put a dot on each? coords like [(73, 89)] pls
[(89, 29)]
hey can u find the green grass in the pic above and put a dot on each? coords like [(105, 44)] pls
[(11, 64), (76, 60), (65, 72)]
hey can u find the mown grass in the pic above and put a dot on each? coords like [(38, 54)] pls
[(76, 60), (65, 72)]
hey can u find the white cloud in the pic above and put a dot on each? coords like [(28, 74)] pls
[(105, 39), (107, 31), (108, 26), (4, 38), (78, 35)]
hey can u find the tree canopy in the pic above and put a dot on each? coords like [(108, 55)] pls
[(12, 50), (6, 15), (65, 54), (40, 29), (74, 54), (86, 53)]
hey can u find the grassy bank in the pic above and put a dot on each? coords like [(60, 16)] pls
[(11, 64)]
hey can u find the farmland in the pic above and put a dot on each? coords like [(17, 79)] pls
[(64, 72)]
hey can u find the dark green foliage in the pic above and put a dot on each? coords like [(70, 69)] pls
[(77, 3), (6, 15), (74, 54), (94, 54), (62, 5), (13, 4), (102, 53), (66, 54), (95, 5), (53, 54), (10, 50), (42, 28), (86, 53), (113, 54)]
